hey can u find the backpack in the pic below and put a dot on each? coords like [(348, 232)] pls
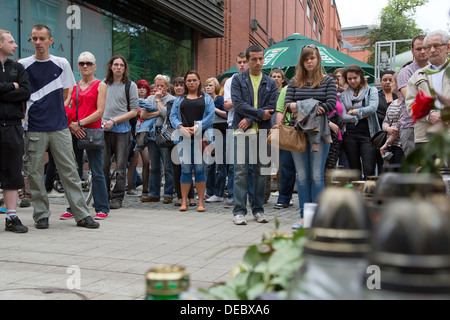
[(133, 121)]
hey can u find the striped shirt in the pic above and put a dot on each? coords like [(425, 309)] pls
[(393, 116), (325, 93), (402, 81)]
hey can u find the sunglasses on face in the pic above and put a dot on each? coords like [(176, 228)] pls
[(87, 64)]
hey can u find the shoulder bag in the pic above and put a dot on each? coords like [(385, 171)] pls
[(286, 137), (94, 139), (379, 139), (164, 135)]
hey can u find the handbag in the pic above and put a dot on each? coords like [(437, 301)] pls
[(287, 137), (220, 123), (94, 139), (164, 135), (379, 139)]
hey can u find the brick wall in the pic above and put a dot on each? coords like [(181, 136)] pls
[(276, 19)]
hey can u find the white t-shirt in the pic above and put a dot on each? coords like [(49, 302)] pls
[(227, 96)]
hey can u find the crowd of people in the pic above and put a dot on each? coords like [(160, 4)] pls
[(219, 134)]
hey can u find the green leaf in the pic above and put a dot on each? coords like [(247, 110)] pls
[(261, 267), (252, 256), (256, 291), (277, 224), (223, 292)]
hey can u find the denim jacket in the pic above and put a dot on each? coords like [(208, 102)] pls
[(243, 100), (369, 111), (208, 115), (149, 124)]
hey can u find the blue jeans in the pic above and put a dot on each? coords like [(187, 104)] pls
[(216, 174), (230, 183), (310, 168), (244, 157), (287, 179), (95, 159), (189, 151), (157, 155)]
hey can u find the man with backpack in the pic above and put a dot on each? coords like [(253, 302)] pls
[(122, 102)]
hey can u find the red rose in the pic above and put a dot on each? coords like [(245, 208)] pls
[(421, 106)]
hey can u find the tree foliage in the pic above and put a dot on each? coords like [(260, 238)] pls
[(396, 23)]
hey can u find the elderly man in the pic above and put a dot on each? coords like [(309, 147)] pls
[(160, 99), (436, 43)]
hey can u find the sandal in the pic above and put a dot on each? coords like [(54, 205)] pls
[(297, 226)]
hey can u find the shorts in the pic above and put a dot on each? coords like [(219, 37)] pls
[(11, 157)]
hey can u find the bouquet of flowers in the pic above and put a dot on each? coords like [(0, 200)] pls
[(435, 154)]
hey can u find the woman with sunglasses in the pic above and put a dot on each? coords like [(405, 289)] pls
[(89, 95), (310, 82), (191, 115)]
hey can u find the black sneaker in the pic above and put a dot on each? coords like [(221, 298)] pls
[(15, 225), (88, 222), (281, 205), (25, 204), (42, 223)]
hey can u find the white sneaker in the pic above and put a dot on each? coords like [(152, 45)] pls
[(55, 194), (260, 217), (239, 219), (214, 199)]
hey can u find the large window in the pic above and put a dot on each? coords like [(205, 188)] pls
[(162, 46), (149, 52), (308, 9), (99, 43), (9, 17), (53, 15)]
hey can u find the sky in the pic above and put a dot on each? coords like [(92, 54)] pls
[(432, 16)]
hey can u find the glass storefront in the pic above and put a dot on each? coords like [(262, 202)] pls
[(149, 51)]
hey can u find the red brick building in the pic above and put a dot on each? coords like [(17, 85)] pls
[(352, 45), (265, 22)]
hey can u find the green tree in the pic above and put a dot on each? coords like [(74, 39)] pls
[(396, 23)]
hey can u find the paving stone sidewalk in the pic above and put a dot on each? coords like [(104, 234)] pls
[(112, 261)]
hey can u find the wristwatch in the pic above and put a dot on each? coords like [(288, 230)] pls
[(159, 100)]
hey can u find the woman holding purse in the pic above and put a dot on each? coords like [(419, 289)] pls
[(88, 104), (311, 82)]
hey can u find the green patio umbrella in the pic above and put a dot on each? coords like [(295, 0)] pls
[(286, 53)]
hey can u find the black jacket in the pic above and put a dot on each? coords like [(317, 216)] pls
[(11, 108)]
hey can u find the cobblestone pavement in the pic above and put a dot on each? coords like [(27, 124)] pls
[(68, 262)]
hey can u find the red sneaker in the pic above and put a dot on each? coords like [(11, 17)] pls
[(100, 216), (66, 216)]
